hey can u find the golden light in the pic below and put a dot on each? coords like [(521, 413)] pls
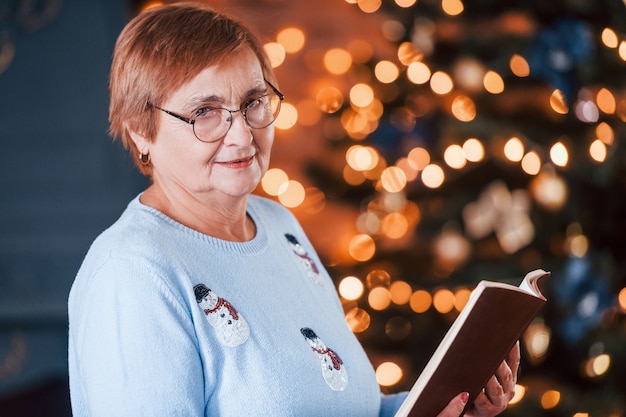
[(420, 301), (441, 83), (520, 392), (514, 149), (395, 225), (598, 151), (386, 72), (388, 374), (275, 52), (362, 247), (287, 117), (463, 108), (596, 366), (329, 99), (419, 157), (493, 82), (454, 157), (621, 299), (405, 3), (360, 50), (605, 133), (308, 112), (531, 163), (609, 38), (337, 61), (369, 6), (352, 176), (550, 399), (273, 180), (536, 340), (452, 7), (400, 292), (468, 73), (393, 30), (450, 249), (361, 95), (581, 415), (606, 101), (519, 66), (292, 39), (461, 297), (433, 176), (378, 278), (358, 125), (409, 53), (291, 194), (362, 158), (393, 179), (474, 150), (379, 298), (351, 288), (559, 154), (443, 301), (418, 73), (368, 223), (622, 50), (577, 245), (409, 168), (549, 190), (558, 103), (601, 364), (358, 320)]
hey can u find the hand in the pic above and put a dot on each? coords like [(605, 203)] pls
[(499, 390), (496, 395)]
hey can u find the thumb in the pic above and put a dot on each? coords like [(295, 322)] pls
[(455, 406)]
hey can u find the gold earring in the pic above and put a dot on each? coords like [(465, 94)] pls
[(144, 158)]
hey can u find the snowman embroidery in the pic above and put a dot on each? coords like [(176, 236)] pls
[(333, 371), (230, 326), (309, 265)]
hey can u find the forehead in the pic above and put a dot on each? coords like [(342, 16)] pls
[(229, 81)]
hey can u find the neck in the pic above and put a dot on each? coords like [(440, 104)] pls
[(225, 219)]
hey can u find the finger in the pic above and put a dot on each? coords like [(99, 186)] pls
[(514, 358), (494, 390), (455, 406), (507, 379)]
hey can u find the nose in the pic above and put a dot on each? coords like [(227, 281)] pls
[(240, 132)]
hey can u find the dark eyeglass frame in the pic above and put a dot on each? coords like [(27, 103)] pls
[(243, 109)]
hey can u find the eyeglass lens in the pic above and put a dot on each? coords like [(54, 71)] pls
[(213, 124)]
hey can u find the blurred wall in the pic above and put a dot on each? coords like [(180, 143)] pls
[(61, 183)]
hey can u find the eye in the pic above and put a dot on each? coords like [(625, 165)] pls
[(256, 102)]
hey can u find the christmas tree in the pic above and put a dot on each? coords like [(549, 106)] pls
[(489, 143)]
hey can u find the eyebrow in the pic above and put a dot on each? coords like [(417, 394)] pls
[(202, 100)]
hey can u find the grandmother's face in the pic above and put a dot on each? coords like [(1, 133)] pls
[(233, 165)]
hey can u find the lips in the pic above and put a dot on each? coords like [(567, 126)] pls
[(238, 163)]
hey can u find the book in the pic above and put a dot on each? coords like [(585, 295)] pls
[(479, 339)]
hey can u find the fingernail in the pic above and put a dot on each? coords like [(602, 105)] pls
[(465, 397)]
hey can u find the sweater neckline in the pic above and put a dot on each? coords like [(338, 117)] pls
[(253, 246)]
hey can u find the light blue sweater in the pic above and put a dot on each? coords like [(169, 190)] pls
[(166, 321)]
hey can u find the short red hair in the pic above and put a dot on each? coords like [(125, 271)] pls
[(161, 49)]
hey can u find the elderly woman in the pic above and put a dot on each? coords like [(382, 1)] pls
[(202, 299)]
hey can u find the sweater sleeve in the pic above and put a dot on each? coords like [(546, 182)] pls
[(135, 349), (390, 404)]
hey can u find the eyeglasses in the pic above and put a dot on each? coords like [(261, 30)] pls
[(211, 124)]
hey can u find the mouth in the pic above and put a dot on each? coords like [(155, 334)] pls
[(238, 163)]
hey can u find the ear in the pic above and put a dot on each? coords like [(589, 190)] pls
[(139, 139)]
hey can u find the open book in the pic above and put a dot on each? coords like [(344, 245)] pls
[(487, 328)]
